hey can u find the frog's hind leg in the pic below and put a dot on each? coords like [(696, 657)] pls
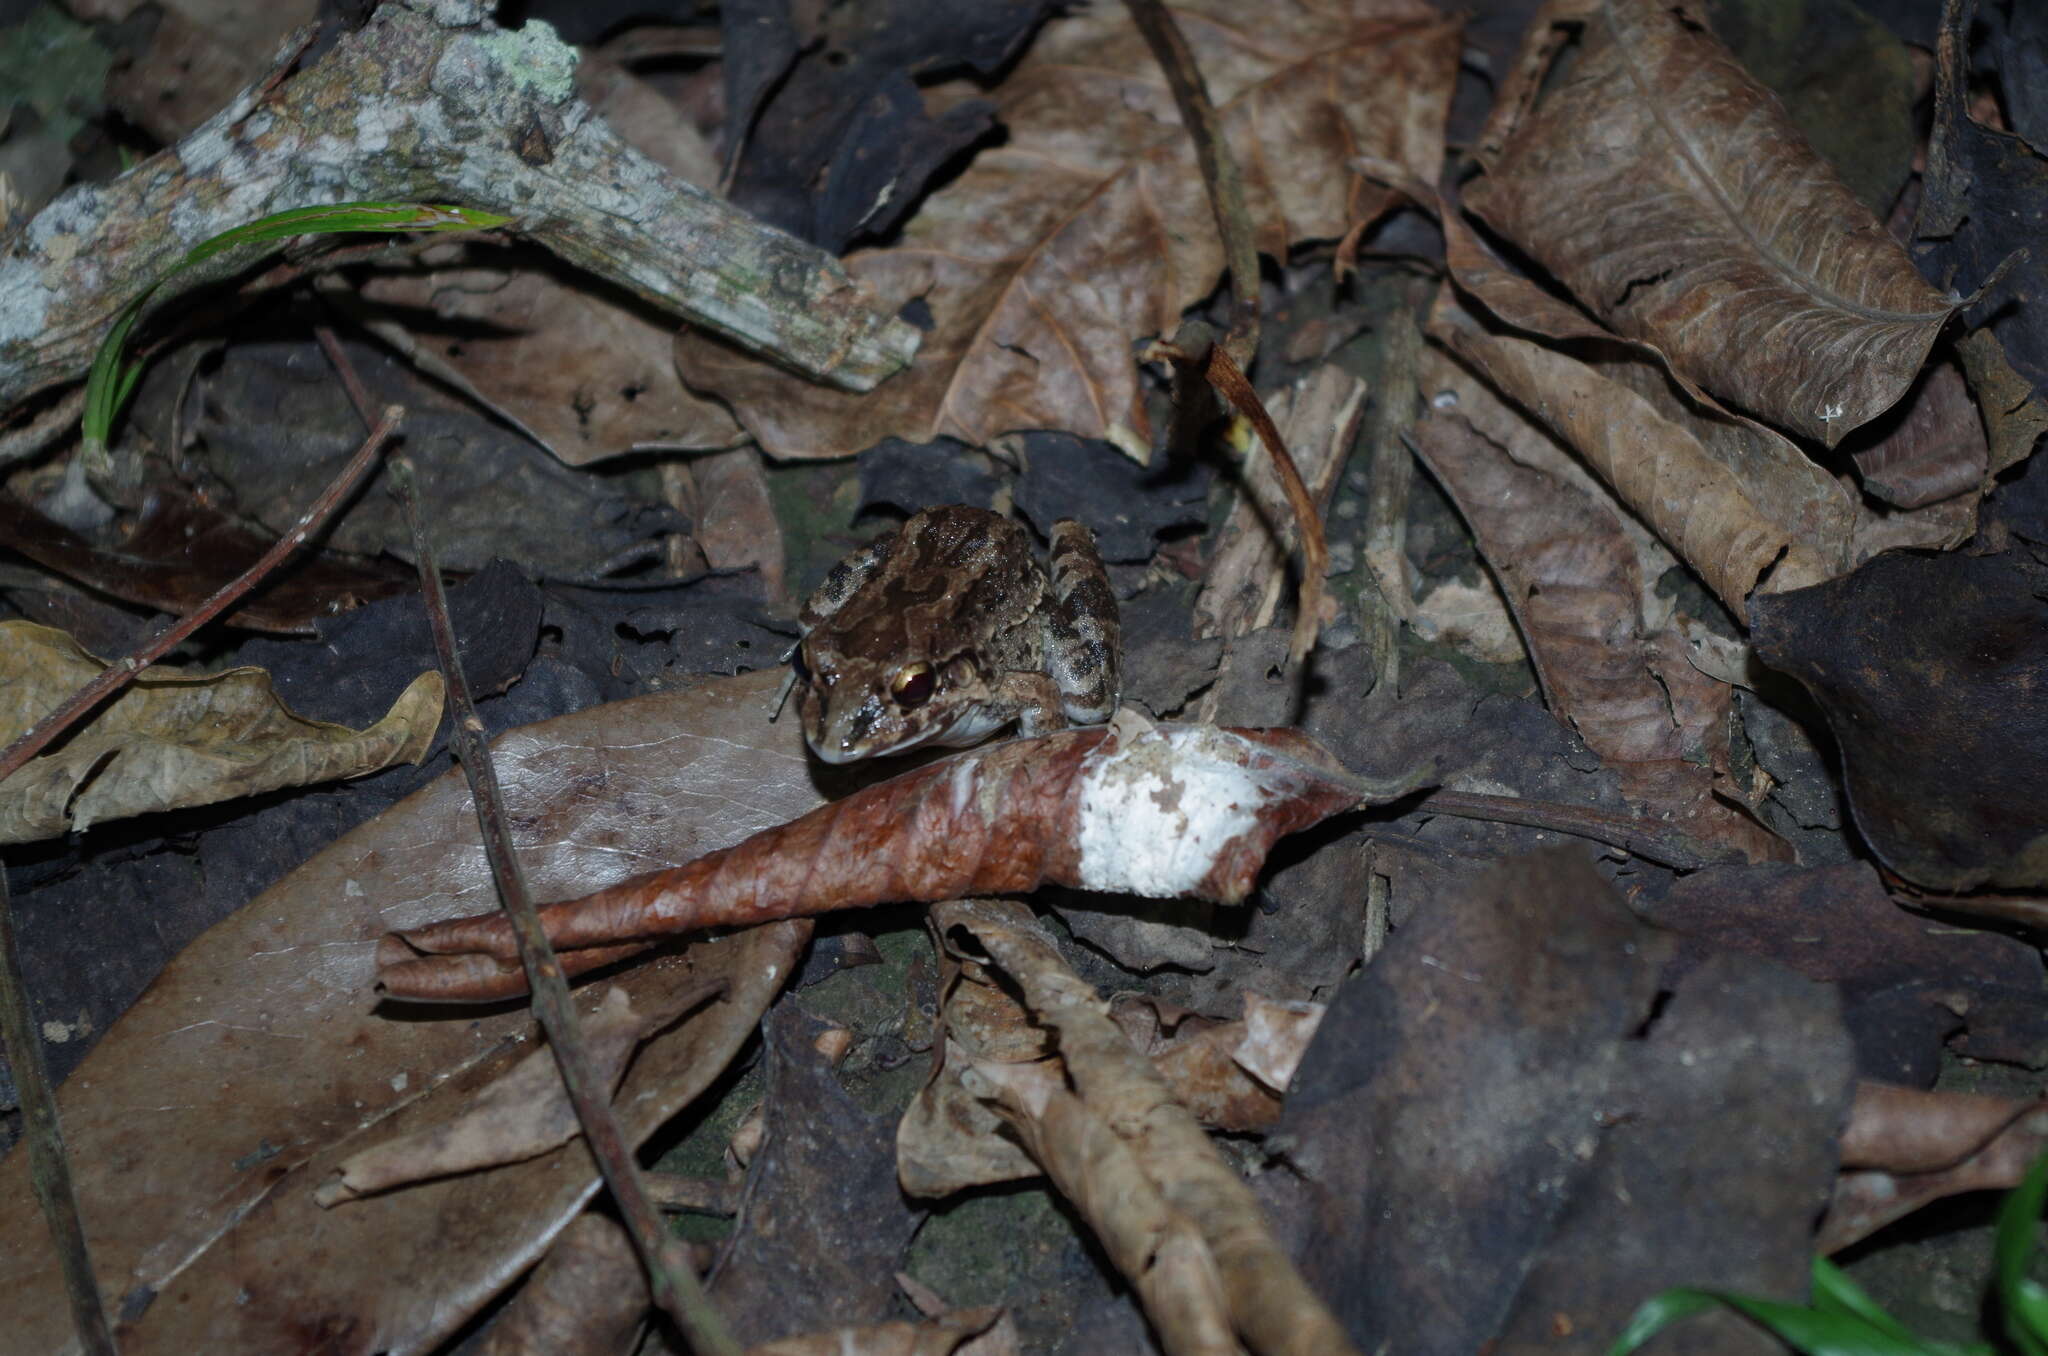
[(1083, 640)]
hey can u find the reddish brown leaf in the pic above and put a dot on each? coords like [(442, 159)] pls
[(1674, 197), (1169, 812), (1090, 228), (180, 551)]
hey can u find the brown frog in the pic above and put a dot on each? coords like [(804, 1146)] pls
[(948, 629)]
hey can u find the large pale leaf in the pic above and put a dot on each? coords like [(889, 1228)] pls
[(173, 740), (1676, 200), (201, 1124), (1089, 228)]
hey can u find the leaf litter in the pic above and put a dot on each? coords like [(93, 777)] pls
[(1634, 415)]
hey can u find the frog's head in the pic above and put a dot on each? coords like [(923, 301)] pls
[(854, 708)]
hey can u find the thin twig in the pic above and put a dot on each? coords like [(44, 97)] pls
[(675, 1289), (1219, 170), (1393, 475), (1662, 843), (49, 1167), (1228, 378), (116, 676)]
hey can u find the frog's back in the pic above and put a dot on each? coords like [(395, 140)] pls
[(964, 580)]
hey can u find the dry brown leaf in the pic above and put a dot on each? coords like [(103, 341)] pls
[(1571, 578), (1732, 499), (1090, 228), (956, 1334), (734, 519), (1934, 451), (203, 1120), (524, 1113), (1905, 1147), (171, 740), (588, 373), (1674, 197), (1156, 1247), (586, 1298)]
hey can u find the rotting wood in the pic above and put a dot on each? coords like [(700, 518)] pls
[(434, 107)]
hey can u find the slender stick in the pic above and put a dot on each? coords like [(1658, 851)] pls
[(675, 1289), (1657, 842), (116, 676), (49, 1167), (1227, 377), (1219, 170)]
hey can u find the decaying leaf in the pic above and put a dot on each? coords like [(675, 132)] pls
[(821, 1201), (172, 740), (1985, 192), (1089, 228), (1166, 811), (1934, 451), (1570, 575), (181, 549), (1941, 710), (588, 374), (202, 1122), (1914, 989), (586, 1297), (1120, 1138), (956, 1334), (1905, 1147), (1672, 195), (527, 1112), (1231, 1075), (1499, 1120)]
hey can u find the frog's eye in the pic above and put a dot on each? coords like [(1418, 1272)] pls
[(912, 685)]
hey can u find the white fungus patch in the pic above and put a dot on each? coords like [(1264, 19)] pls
[(1156, 813)]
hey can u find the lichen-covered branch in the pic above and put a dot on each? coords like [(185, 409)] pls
[(432, 102)]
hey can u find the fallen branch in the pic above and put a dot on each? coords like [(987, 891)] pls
[(433, 105)]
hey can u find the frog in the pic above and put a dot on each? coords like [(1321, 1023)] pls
[(950, 629)]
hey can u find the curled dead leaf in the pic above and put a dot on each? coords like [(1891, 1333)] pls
[(173, 740), (1165, 811), (524, 1113)]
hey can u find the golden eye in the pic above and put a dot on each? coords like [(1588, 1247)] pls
[(912, 685)]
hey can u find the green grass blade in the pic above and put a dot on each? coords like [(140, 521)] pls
[(1815, 1332), (109, 384), (1658, 1313), (2022, 1302), (1835, 1293)]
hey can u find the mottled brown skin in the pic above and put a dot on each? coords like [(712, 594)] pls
[(949, 629)]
